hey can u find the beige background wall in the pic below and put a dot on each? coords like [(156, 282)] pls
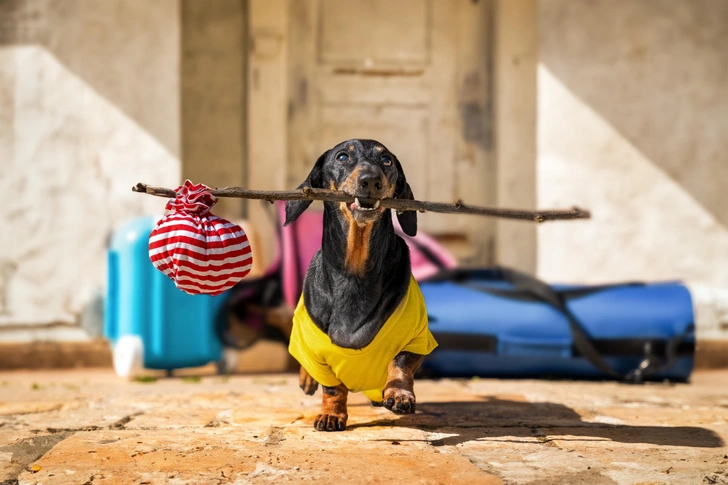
[(89, 105), (633, 124)]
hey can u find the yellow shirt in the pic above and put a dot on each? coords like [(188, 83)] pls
[(362, 370)]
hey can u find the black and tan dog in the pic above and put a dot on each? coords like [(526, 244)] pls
[(361, 324)]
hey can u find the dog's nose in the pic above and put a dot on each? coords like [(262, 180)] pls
[(370, 181)]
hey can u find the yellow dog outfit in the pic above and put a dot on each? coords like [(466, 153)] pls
[(362, 370)]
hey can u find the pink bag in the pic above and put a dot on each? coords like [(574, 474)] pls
[(200, 252)]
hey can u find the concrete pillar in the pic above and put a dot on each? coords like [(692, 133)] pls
[(268, 112), (213, 84), (515, 92)]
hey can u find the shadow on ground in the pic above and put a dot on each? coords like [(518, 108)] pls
[(493, 418)]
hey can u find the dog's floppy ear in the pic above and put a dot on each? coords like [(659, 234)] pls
[(407, 219), (294, 208)]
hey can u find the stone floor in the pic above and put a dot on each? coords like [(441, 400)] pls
[(84, 427)]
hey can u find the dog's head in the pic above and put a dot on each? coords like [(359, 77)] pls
[(362, 169)]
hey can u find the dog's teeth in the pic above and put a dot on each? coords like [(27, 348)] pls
[(376, 205), (357, 203)]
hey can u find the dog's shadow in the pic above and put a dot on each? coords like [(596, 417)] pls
[(504, 420)]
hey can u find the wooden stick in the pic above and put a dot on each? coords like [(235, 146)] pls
[(398, 204)]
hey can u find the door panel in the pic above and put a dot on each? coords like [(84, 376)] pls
[(373, 32), (382, 87)]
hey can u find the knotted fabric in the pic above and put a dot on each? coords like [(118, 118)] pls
[(201, 252)]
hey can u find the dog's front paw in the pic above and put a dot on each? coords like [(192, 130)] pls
[(399, 401), (330, 422)]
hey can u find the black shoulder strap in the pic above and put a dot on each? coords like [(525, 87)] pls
[(545, 293)]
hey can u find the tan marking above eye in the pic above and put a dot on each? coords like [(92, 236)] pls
[(351, 148), (379, 149)]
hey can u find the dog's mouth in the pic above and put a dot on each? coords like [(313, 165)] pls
[(361, 206), (363, 212)]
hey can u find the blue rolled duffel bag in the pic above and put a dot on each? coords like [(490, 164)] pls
[(502, 323)]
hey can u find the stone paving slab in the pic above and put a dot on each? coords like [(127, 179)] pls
[(89, 427)]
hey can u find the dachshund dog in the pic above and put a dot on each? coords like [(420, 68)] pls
[(361, 323)]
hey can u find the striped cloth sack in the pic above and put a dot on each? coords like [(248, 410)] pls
[(200, 252)]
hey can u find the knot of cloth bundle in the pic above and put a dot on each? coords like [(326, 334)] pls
[(199, 251)]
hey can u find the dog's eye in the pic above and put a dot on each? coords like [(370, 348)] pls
[(342, 157), (386, 161)]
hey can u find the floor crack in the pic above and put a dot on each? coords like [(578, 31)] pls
[(121, 424), (29, 450), (90, 480)]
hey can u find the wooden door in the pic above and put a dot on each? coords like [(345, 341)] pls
[(413, 74)]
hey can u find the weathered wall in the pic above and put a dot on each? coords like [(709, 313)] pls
[(633, 124), (89, 105)]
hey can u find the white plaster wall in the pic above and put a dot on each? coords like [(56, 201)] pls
[(633, 124), (74, 138)]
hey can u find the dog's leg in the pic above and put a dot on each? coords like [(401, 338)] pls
[(333, 409), (307, 383), (399, 395)]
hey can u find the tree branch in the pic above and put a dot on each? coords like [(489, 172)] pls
[(397, 204)]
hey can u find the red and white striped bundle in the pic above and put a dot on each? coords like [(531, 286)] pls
[(200, 252)]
